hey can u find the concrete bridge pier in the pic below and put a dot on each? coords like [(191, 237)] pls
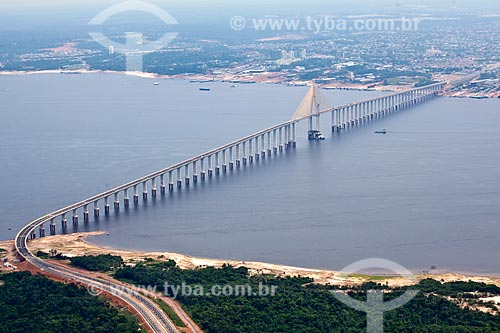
[(163, 187), (106, 206), (187, 178), (334, 124), (116, 204), (334, 127), (210, 168), (52, 227), (224, 161), (85, 214), (64, 221), (340, 118), (231, 160), (96, 209), (179, 179), (202, 167), (217, 166), (294, 136), (280, 139), (75, 217), (289, 132), (238, 157), (275, 142), (257, 155), (170, 181), (144, 191), (269, 144), (287, 137), (244, 159), (195, 173), (136, 195), (126, 200), (263, 146), (250, 151), (154, 190), (41, 231)]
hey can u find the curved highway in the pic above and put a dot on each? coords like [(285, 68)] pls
[(148, 310)]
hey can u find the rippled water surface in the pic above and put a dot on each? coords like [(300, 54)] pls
[(427, 193)]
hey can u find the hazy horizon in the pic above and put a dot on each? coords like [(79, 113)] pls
[(353, 4)]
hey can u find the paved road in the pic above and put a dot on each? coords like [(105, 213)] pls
[(149, 311)]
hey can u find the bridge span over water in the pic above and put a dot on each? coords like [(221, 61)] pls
[(266, 143)]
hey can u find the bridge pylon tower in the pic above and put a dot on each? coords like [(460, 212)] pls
[(311, 107)]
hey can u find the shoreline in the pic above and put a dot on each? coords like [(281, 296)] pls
[(202, 78), (77, 244)]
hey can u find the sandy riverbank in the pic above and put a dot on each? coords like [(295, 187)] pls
[(77, 245), (265, 78), (84, 71)]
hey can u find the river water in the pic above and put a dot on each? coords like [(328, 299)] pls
[(427, 193)]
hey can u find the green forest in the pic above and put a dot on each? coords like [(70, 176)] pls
[(102, 262), (36, 304), (302, 306)]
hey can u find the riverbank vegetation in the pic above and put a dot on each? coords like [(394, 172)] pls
[(299, 305), (100, 263), (34, 304)]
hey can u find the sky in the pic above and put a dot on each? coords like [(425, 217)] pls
[(26, 14), (264, 3)]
